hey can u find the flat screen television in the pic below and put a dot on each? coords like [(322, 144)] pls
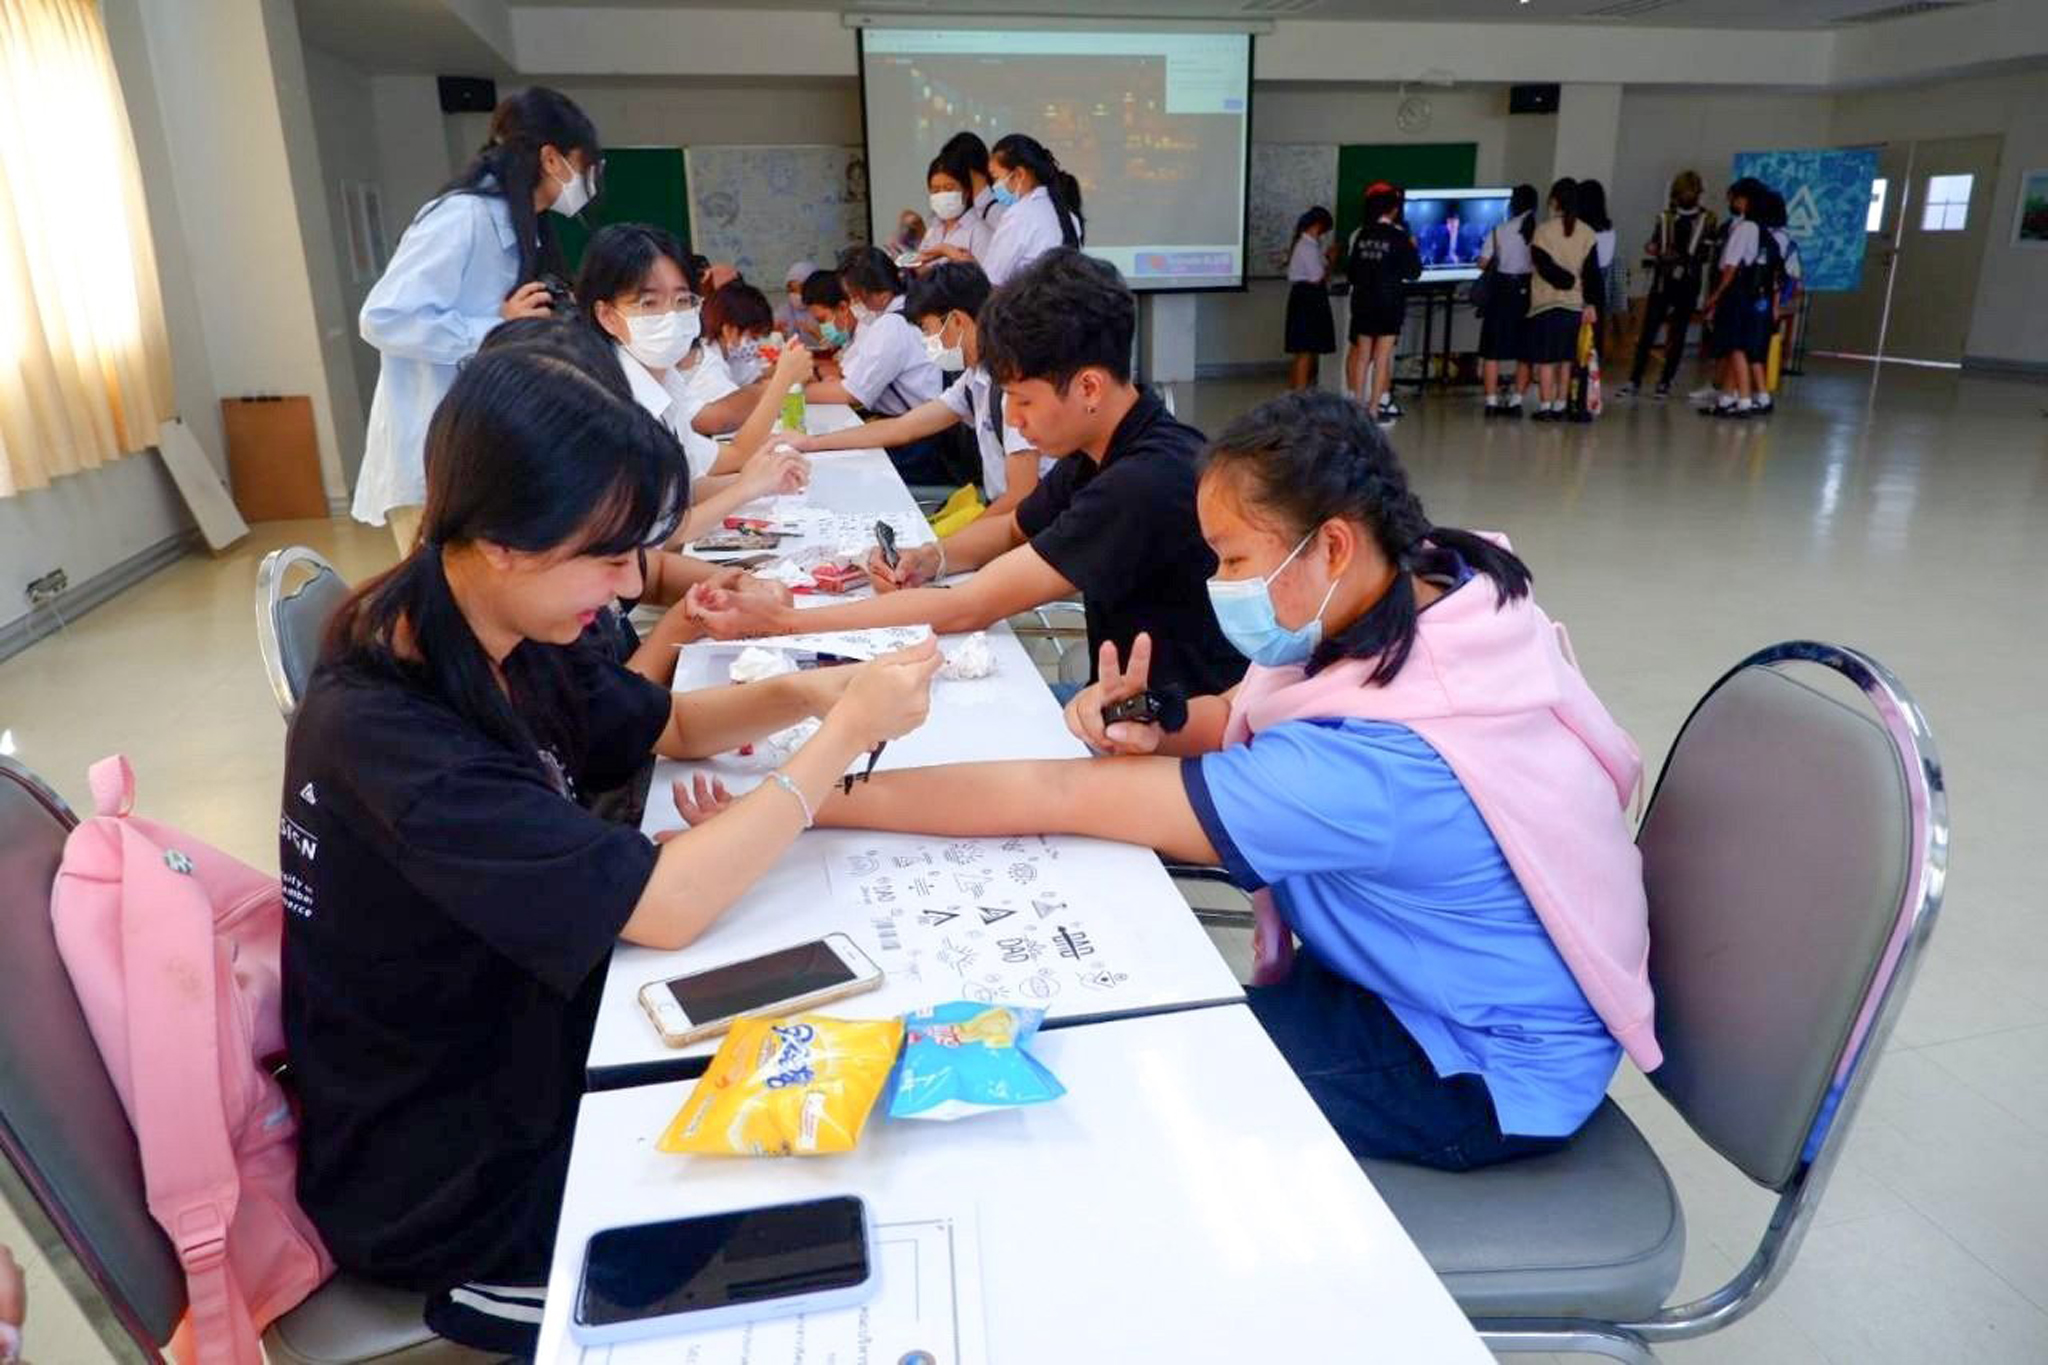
[(1450, 228)]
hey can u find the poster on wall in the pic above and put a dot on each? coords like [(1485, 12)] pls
[(2030, 219), (1827, 200)]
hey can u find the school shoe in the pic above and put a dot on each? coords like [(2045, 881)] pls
[(1764, 408), (1546, 415), (1625, 391), (1663, 392), (1390, 412), (1735, 411)]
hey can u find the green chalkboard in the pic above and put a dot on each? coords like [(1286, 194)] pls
[(641, 185), (1412, 165)]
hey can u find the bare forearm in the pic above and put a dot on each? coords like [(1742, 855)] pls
[(827, 391), (946, 610), (701, 872), (725, 414), (712, 720), (986, 538), (926, 419), (710, 513), (1134, 800), (1203, 734)]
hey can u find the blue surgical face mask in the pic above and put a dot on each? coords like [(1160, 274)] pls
[(1004, 194), (835, 336), (1244, 609)]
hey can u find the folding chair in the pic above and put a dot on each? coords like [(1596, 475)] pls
[(289, 625)]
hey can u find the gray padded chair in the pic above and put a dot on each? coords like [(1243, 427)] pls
[(290, 624), (72, 1173), (1794, 855)]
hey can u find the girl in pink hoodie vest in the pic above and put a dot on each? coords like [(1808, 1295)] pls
[(1414, 779)]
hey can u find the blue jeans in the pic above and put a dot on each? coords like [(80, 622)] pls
[(1063, 692), (1373, 1081)]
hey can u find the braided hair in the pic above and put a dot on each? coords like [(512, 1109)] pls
[(1307, 458)]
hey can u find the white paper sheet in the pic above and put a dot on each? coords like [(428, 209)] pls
[(927, 1311)]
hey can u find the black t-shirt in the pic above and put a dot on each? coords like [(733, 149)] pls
[(1124, 532), (449, 910), (1381, 261)]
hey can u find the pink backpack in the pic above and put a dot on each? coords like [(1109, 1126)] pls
[(172, 948)]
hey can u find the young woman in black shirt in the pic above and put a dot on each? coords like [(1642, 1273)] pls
[(451, 904)]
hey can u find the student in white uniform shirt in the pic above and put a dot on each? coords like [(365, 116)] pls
[(634, 290), (1041, 207), (1311, 330), (972, 153), (884, 366), (958, 232), (944, 303), (737, 321), (475, 256)]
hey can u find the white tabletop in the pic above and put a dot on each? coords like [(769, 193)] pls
[(1185, 1201), (1163, 952)]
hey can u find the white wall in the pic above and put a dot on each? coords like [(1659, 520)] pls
[(2010, 320), (238, 166), (1664, 132), (344, 123), (670, 113)]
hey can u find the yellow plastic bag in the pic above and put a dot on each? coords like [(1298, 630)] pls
[(963, 508), (787, 1087)]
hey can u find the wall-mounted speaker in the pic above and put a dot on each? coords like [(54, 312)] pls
[(478, 95), (1522, 99)]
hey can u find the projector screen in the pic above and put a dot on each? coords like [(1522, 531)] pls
[(1154, 125)]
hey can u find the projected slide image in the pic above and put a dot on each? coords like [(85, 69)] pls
[(1156, 137)]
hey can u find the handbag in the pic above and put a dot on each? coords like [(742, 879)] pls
[(1482, 291)]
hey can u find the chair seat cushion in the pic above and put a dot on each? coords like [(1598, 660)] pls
[(1593, 1231), (347, 1321)]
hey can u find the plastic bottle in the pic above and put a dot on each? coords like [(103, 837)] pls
[(793, 409)]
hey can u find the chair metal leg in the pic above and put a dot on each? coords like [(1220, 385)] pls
[(1566, 1338)]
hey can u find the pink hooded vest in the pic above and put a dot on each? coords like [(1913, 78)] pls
[(1496, 693)]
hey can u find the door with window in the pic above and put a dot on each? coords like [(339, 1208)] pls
[(1929, 212)]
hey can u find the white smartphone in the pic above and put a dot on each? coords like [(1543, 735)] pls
[(716, 1270), (704, 1004)]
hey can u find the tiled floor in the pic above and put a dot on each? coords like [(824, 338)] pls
[(1909, 519)]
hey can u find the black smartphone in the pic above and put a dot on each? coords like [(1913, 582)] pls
[(885, 536), (715, 1270)]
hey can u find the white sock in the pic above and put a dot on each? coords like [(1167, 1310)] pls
[(1743, 404), (1514, 400), (1556, 405)]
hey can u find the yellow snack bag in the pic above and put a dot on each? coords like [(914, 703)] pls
[(787, 1087)]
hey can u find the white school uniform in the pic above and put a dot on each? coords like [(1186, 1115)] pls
[(1307, 264), (971, 398), (1506, 242), (968, 232), (1029, 228), (886, 367), (429, 312), (985, 205), (1742, 247), (676, 398)]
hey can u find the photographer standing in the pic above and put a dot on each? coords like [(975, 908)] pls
[(478, 254)]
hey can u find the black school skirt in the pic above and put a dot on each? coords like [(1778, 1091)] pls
[(1311, 328), (1505, 320), (1554, 337)]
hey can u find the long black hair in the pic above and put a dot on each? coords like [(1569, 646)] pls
[(1523, 201), (509, 164), (567, 338), (1020, 150), (1565, 194), (617, 260), (1593, 205), (529, 452), (1307, 458), (967, 150)]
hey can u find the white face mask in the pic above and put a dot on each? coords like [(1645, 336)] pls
[(659, 340), (744, 360), (575, 192), (947, 358), (862, 314), (948, 205)]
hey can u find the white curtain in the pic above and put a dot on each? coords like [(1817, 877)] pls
[(85, 366)]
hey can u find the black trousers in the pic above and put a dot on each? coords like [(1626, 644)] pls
[(1672, 310)]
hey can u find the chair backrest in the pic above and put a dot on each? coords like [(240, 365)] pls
[(1793, 855), (62, 1128), (290, 624)]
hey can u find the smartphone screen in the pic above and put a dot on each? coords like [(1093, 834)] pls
[(692, 1264), (759, 982)]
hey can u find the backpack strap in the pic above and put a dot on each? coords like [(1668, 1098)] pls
[(168, 961)]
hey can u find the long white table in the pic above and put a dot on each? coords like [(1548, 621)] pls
[(1184, 1201), (1010, 715)]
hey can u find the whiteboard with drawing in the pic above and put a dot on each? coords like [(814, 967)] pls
[(1287, 179), (763, 208)]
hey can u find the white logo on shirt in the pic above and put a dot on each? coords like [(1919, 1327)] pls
[(306, 795)]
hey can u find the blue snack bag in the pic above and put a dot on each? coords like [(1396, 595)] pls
[(965, 1058)]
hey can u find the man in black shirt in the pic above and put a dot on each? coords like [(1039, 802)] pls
[(1113, 520)]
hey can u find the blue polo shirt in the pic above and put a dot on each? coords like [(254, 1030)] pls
[(1380, 862)]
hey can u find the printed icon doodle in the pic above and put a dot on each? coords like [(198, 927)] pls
[(991, 914), (1072, 943)]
